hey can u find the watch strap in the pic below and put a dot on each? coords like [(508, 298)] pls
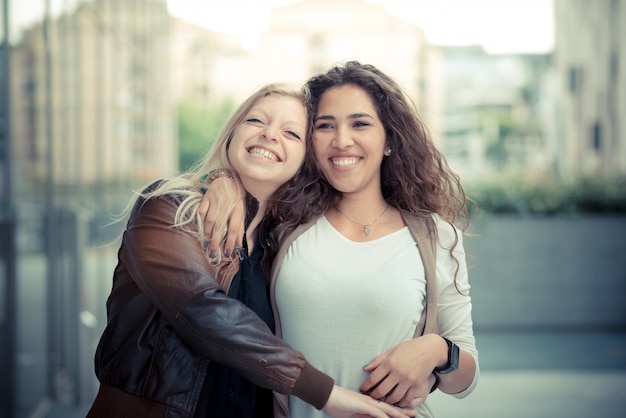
[(453, 358)]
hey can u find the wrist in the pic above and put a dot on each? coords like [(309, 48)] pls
[(440, 356), (214, 174)]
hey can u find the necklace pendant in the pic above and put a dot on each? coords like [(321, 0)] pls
[(366, 230)]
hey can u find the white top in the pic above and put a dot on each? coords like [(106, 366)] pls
[(342, 303)]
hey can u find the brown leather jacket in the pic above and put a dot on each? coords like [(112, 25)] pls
[(168, 317)]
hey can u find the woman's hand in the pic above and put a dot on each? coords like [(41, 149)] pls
[(344, 403), (403, 375), (222, 193)]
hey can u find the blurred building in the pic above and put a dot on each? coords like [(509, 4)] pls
[(307, 37), (474, 104), (493, 118), (202, 63), (590, 65), (90, 96)]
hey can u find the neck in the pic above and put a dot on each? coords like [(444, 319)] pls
[(364, 213), (259, 189), (254, 223), (361, 204)]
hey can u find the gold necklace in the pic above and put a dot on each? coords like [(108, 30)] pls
[(366, 227)]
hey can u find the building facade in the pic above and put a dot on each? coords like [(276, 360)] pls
[(590, 69), (308, 37), (494, 119), (91, 101), (201, 60)]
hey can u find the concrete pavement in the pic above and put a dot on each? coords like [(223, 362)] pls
[(538, 394), (510, 394), (536, 375)]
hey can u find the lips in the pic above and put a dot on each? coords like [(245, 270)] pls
[(264, 153)]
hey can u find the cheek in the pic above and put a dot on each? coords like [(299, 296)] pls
[(234, 156), (299, 153)]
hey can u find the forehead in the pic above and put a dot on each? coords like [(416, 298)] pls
[(281, 106), (278, 99), (349, 97)]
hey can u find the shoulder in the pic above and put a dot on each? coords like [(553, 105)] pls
[(447, 234), (152, 201), (288, 239), (421, 223)]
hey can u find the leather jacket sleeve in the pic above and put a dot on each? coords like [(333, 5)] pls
[(168, 265)]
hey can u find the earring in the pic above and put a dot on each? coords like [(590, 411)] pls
[(388, 152)]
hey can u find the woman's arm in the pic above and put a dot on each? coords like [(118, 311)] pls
[(223, 191), (170, 268), (454, 312)]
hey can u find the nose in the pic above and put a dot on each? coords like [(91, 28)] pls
[(343, 138), (270, 133)]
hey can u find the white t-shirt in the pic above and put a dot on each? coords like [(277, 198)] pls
[(342, 303)]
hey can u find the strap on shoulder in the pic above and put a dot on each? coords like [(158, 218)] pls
[(425, 234)]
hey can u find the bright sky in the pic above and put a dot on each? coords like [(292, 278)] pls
[(501, 26)]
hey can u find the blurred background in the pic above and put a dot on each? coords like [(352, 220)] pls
[(527, 100)]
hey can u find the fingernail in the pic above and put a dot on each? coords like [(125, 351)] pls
[(227, 252), (212, 254)]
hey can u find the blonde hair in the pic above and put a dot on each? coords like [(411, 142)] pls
[(188, 186)]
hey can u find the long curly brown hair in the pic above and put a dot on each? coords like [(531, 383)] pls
[(415, 177)]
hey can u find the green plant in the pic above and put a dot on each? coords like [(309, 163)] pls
[(587, 195), (198, 126)]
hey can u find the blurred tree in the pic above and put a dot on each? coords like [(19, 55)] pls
[(496, 150), (198, 127), (513, 131)]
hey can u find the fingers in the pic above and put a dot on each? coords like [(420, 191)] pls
[(374, 380), (346, 403), (234, 233), (384, 389), (394, 411), (417, 401), (398, 393), (213, 228), (375, 362), (218, 229)]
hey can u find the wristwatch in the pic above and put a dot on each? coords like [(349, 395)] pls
[(453, 358)]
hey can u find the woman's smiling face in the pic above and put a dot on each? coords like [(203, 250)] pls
[(349, 139), (268, 147)]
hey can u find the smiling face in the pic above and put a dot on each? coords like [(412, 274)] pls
[(349, 139), (268, 147)]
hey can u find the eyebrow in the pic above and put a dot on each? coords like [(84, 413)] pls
[(352, 116), (266, 114)]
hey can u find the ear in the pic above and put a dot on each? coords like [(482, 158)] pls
[(387, 151)]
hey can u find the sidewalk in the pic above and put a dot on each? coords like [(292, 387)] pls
[(529, 375), (538, 394), (513, 394)]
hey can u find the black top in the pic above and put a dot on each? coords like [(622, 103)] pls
[(225, 393)]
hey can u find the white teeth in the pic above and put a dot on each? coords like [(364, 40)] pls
[(263, 153), (344, 162)]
